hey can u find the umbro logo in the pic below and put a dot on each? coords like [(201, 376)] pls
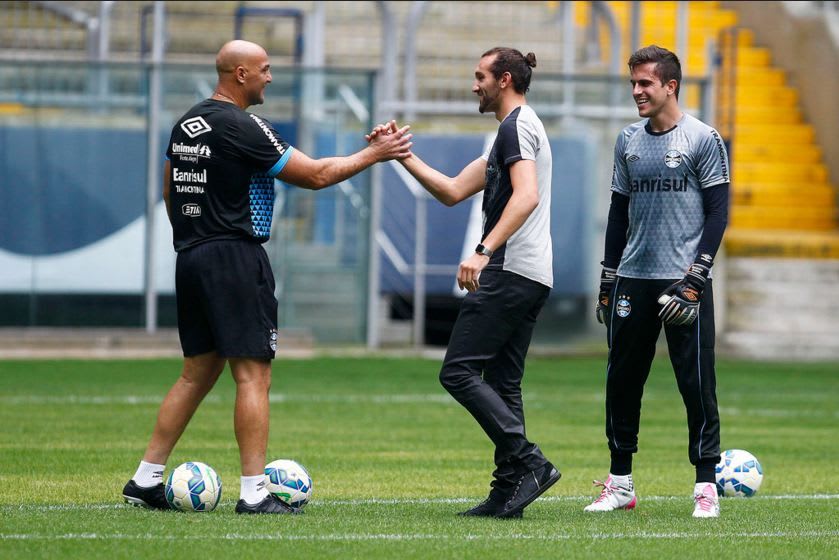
[(633, 157), (195, 126)]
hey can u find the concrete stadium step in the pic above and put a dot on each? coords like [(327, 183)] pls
[(791, 134), (753, 56), (785, 171), (760, 116), (801, 219), (760, 75), (783, 195), (323, 280), (771, 311), (107, 343), (785, 347), (328, 321), (740, 242), (758, 153), (769, 96)]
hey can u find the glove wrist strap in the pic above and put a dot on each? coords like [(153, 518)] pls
[(697, 275)]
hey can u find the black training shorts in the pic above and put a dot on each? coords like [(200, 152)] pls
[(226, 303)]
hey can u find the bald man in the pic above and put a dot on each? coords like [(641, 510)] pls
[(219, 191)]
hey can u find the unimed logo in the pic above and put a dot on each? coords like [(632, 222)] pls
[(195, 126)]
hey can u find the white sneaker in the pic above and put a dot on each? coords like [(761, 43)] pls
[(613, 496), (706, 503)]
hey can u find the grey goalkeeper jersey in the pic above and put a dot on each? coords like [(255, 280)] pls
[(663, 174)]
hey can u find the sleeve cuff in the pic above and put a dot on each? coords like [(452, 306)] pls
[(277, 167)]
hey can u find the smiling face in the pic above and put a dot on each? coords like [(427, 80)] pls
[(650, 94), (486, 86), (257, 75)]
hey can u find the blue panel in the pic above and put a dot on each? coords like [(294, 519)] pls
[(446, 226), (66, 188), (324, 218), (573, 168), (571, 216), (62, 189)]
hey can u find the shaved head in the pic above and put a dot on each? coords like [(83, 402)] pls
[(243, 72), (237, 53)]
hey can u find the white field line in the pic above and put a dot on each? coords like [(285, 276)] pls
[(408, 398), (345, 537), (417, 501), (433, 398)]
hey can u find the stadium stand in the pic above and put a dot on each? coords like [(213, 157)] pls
[(784, 201), (782, 244)]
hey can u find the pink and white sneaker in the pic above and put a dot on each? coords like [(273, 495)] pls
[(706, 503), (615, 495)]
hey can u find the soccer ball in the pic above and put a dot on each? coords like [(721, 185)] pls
[(288, 481), (193, 486), (738, 474)]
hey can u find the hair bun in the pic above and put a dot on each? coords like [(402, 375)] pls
[(531, 59)]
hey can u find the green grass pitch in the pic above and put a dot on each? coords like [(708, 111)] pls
[(394, 458)]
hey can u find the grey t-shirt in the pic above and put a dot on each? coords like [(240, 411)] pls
[(528, 251), (663, 174)]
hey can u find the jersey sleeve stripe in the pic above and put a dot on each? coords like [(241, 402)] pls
[(275, 170)]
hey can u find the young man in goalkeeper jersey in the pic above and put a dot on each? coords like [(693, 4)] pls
[(668, 213)]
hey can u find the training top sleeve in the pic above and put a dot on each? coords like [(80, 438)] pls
[(487, 151), (260, 144), (528, 139), (712, 160), (507, 143), (715, 205), (616, 228), (620, 173)]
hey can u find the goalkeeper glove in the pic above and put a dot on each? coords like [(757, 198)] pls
[(680, 301), (607, 282)]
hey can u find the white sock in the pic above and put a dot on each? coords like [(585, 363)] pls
[(148, 474), (699, 488), (624, 481), (253, 489)]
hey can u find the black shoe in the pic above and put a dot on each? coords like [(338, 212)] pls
[(271, 504), (492, 506), (150, 498), (529, 487)]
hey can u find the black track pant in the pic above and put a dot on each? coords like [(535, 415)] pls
[(634, 327), (484, 365)]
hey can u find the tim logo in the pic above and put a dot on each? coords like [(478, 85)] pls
[(192, 210), (673, 158), (196, 126)]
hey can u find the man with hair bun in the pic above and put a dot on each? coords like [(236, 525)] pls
[(508, 277)]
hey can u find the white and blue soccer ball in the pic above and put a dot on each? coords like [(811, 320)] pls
[(738, 474), (289, 481), (193, 486)]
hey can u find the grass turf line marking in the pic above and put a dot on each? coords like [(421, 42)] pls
[(415, 537), (421, 398), (408, 398), (412, 501)]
